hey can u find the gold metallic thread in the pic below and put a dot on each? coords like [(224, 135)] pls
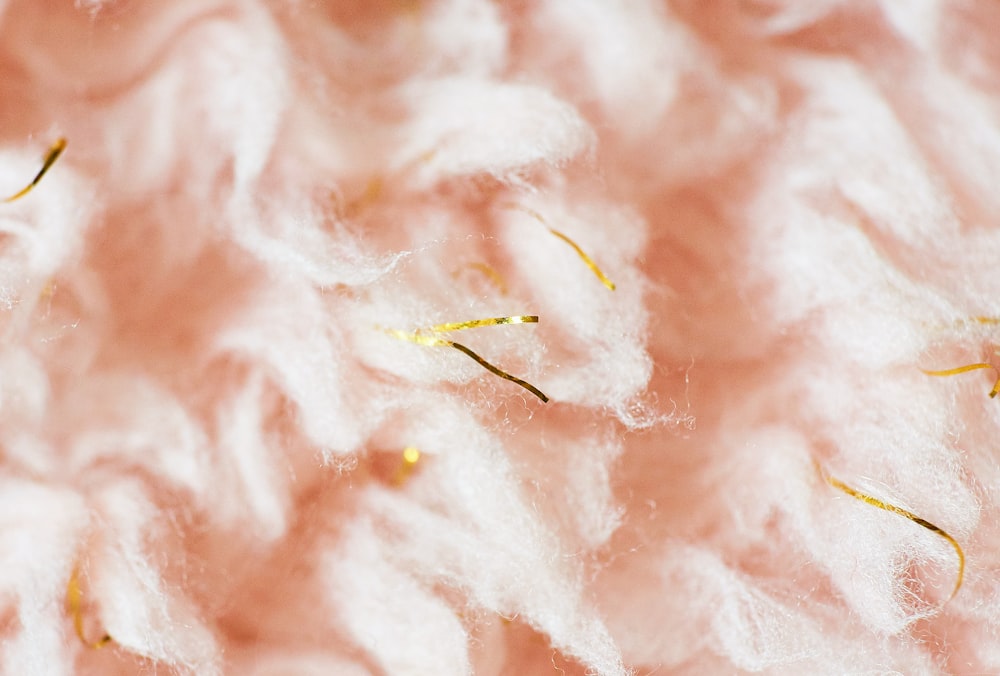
[(411, 456), (50, 158), (491, 321), (588, 261), (48, 290), (373, 190), (491, 274), (430, 338), (875, 502), (499, 372), (74, 603), (965, 369)]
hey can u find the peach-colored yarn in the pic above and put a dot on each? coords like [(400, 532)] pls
[(203, 408)]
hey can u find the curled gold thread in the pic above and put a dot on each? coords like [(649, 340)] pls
[(499, 372), (373, 190), (411, 456), (981, 320), (588, 261), (427, 340), (48, 291), (74, 602), (965, 369), (490, 273), (491, 321), (55, 150), (875, 502), (408, 6), (418, 338)]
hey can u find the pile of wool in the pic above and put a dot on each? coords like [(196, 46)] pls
[(747, 231)]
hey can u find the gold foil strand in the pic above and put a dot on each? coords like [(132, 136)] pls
[(50, 158), (429, 340), (588, 261), (491, 321), (373, 190), (498, 372), (411, 456), (965, 369), (418, 338), (74, 603), (875, 502), (491, 274)]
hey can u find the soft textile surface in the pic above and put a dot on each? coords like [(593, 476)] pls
[(203, 414)]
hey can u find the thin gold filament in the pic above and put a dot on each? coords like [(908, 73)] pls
[(588, 261), (74, 602), (373, 190), (965, 369), (54, 152), (491, 274), (48, 290), (411, 456), (418, 338), (429, 340), (499, 372), (491, 321), (875, 502)]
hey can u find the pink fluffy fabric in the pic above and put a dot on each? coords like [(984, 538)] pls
[(202, 412)]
